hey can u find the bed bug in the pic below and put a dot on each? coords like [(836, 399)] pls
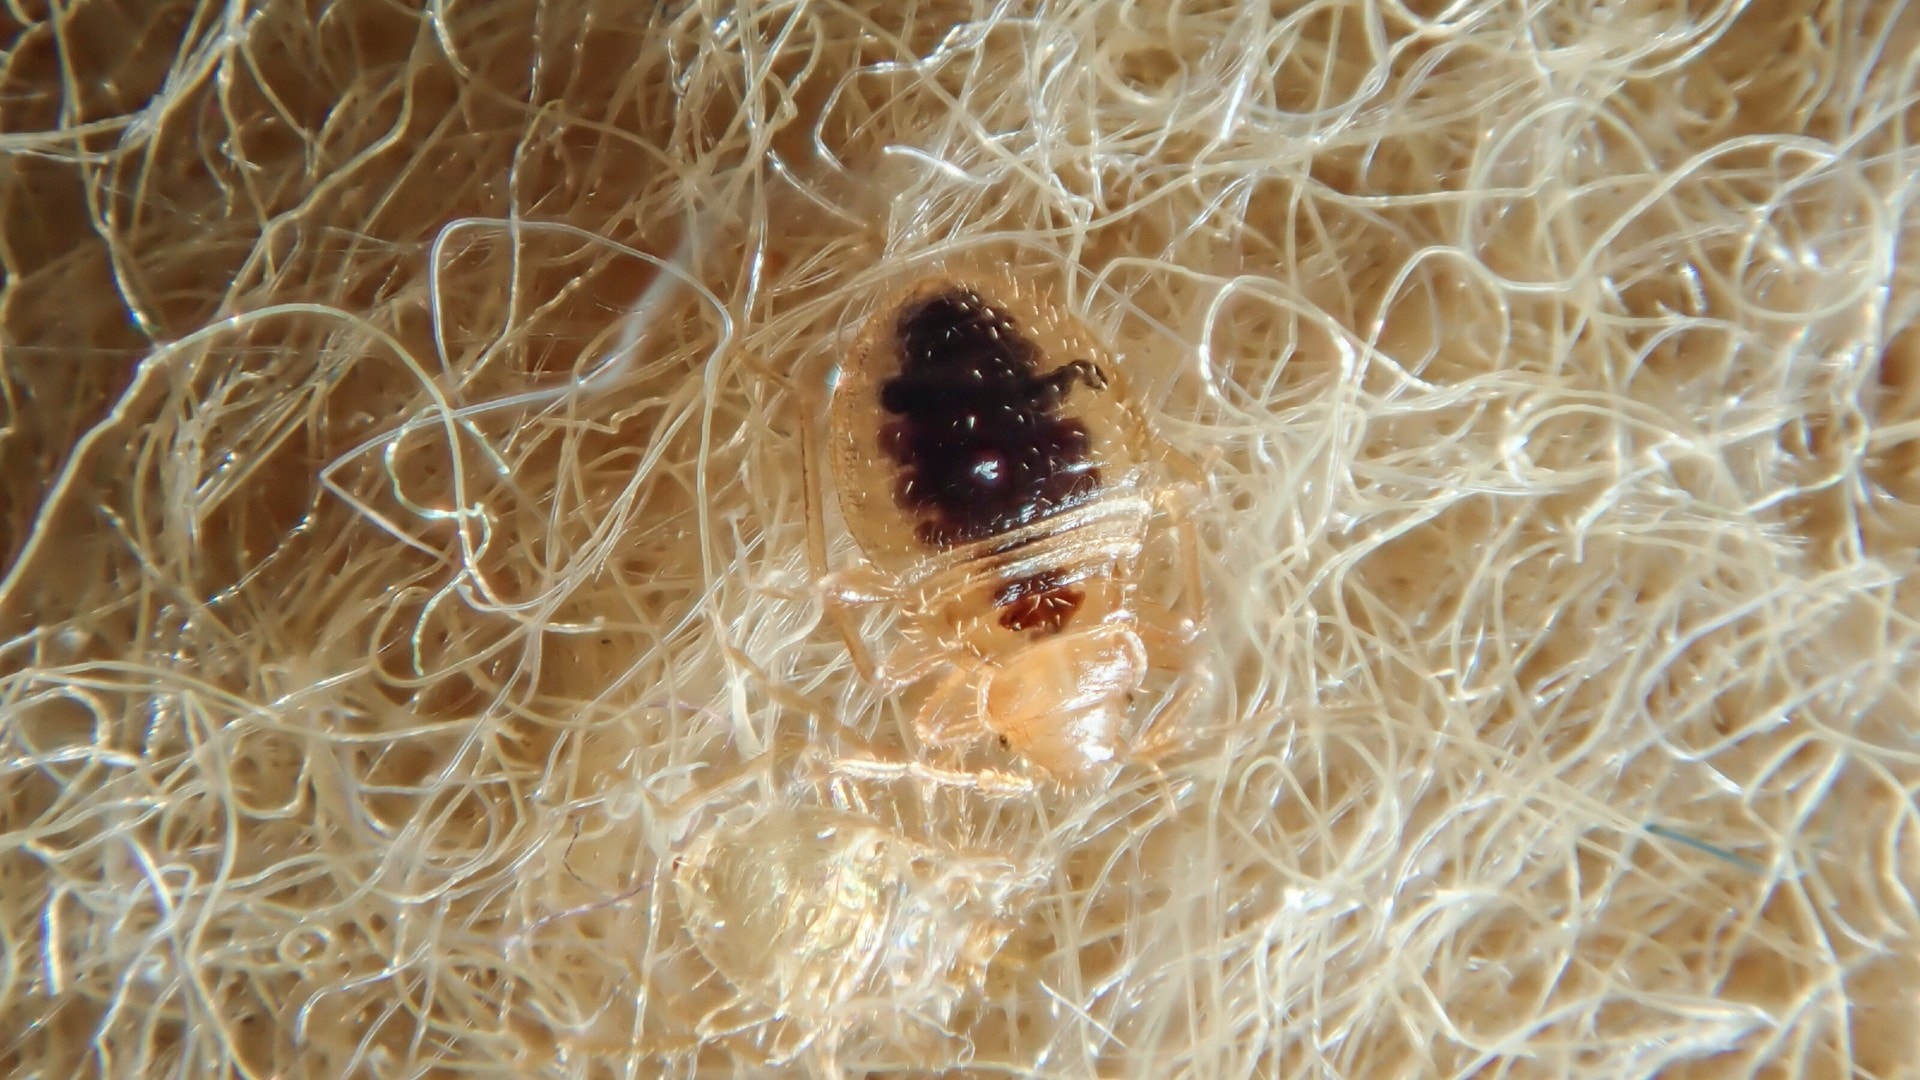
[(830, 926), (995, 472)]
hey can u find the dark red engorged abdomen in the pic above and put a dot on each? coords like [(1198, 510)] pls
[(975, 428)]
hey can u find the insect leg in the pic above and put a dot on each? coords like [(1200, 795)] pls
[(995, 782), (934, 722), (1165, 730), (845, 591), (1178, 504), (1172, 637), (812, 406), (905, 665), (1172, 644)]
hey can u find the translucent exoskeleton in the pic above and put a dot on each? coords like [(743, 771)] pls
[(1002, 484), (836, 932)]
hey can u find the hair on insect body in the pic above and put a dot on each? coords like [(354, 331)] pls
[(996, 474)]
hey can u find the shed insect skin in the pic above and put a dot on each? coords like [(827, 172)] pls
[(993, 469)]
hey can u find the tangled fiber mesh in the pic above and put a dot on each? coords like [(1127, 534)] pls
[(411, 662)]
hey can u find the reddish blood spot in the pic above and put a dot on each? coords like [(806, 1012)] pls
[(1042, 603)]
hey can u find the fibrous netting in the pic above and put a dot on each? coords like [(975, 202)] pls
[(411, 660)]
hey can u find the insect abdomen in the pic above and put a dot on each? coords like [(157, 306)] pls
[(974, 427)]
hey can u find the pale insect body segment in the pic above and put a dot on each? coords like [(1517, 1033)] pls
[(826, 922), (991, 466)]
